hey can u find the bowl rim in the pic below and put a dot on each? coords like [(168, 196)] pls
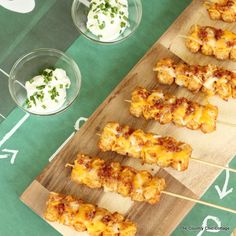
[(46, 50), (107, 42)]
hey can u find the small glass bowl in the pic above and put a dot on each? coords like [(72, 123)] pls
[(31, 65), (80, 11)]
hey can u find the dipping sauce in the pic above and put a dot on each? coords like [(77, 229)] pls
[(47, 92), (107, 19)]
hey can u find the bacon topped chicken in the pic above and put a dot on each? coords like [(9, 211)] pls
[(166, 108), (82, 216), (209, 79), (150, 148), (221, 10), (139, 185), (211, 41)]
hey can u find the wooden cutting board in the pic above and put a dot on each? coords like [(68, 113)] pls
[(163, 218)]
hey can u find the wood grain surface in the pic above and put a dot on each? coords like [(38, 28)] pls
[(217, 147)]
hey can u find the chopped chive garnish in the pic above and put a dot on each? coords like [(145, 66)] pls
[(40, 87), (122, 24), (53, 93), (28, 104), (102, 26), (32, 98)]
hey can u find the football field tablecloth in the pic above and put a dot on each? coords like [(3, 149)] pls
[(31, 140)]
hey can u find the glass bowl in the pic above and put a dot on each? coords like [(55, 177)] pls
[(31, 65), (80, 11)]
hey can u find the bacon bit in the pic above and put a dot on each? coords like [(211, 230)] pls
[(118, 129), (61, 208), (178, 102), (194, 69), (229, 3), (221, 72), (202, 34), (85, 164), (218, 33), (90, 215), (143, 94), (230, 43), (128, 133), (159, 104), (169, 143), (106, 171), (190, 109), (106, 219)]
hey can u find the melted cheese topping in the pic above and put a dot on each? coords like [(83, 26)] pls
[(127, 181), (209, 79), (87, 217), (151, 148), (179, 111)]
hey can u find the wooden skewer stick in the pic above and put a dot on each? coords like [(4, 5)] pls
[(213, 164), (218, 121), (188, 37), (199, 201), (226, 123)]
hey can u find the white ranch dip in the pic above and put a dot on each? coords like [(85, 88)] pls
[(47, 92), (108, 19)]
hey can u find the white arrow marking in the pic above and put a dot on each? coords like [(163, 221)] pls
[(224, 192), (13, 156), (77, 127), (4, 156), (14, 129), (204, 225)]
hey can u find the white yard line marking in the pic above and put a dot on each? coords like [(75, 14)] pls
[(4, 72), (20, 84), (3, 116), (13, 130)]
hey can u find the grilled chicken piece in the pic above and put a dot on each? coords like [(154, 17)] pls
[(211, 41), (224, 10), (149, 147), (138, 185), (209, 79), (166, 108), (86, 217)]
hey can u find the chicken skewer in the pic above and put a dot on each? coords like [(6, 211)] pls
[(209, 79), (127, 181), (211, 41), (96, 173), (221, 10), (166, 108), (150, 148), (82, 216)]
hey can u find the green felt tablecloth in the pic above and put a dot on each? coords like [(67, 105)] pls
[(102, 68)]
